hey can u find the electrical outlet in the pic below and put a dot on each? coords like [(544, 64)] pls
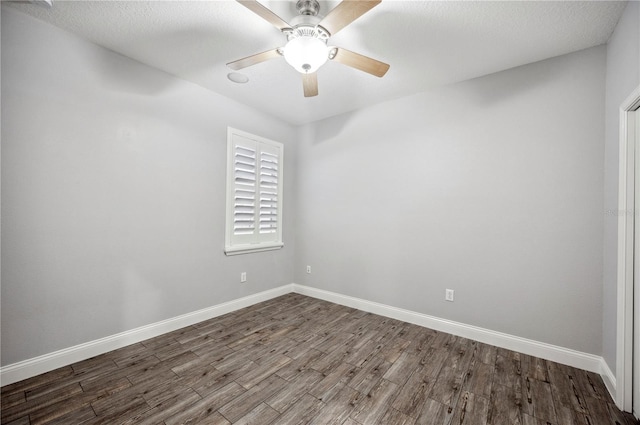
[(309, 269), (448, 295), (243, 277)]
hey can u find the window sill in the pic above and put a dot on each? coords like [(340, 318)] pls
[(248, 249)]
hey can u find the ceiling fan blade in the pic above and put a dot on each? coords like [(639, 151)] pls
[(310, 84), (345, 13), (361, 62), (253, 59), (265, 14)]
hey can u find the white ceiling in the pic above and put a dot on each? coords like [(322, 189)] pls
[(427, 44)]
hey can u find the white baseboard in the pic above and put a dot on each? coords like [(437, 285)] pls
[(609, 379), (45, 363), (32, 367), (554, 353)]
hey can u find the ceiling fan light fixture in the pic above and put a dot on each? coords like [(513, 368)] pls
[(306, 53)]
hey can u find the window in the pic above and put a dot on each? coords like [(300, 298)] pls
[(254, 193)]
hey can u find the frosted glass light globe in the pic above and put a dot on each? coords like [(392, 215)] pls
[(306, 54)]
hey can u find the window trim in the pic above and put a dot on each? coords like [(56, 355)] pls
[(233, 247)]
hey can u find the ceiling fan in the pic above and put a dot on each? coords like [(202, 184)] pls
[(306, 49)]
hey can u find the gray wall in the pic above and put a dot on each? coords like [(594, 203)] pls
[(492, 187), (623, 76), (113, 182), (113, 196)]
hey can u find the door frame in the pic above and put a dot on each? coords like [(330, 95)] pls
[(626, 219)]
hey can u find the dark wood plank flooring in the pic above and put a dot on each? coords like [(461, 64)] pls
[(299, 360)]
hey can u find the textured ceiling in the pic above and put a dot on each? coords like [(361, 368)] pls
[(427, 44)]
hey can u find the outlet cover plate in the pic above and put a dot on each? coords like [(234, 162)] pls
[(448, 295)]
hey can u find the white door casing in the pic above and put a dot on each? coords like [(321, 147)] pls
[(634, 124), (626, 218)]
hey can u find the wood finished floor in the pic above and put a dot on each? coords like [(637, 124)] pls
[(299, 360)]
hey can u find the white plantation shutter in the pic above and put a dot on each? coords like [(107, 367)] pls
[(244, 196), (269, 183), (254, 193)]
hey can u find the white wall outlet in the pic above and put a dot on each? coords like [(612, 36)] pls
[(309, 269), (448, 295), (243, 277)]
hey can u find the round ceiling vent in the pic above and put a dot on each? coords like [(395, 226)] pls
[(236, 77)]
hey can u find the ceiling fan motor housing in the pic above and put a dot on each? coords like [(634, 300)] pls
[(308, 7)]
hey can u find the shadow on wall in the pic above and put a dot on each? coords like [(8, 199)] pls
[(330, 128), (482, 92), (503, 86), (120, 74)]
